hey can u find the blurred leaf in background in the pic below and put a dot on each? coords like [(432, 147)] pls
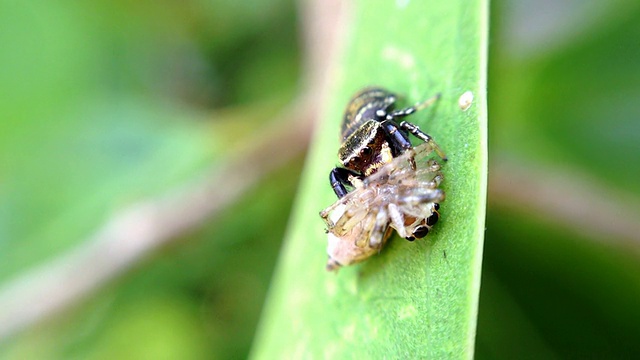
[(563, 105), (106, 103)]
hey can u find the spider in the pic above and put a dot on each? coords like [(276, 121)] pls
[(372, 137), (400, 195)]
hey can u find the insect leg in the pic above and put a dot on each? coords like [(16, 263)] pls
[(349, 219), (397, 220), (422, 196), (380, 229)]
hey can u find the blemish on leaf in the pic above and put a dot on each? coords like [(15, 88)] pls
[(465, 100), (407, 312)]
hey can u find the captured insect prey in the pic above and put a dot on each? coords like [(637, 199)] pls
[(394, 185), (398, 196)]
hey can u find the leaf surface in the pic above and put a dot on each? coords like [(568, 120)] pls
[(413, 299)]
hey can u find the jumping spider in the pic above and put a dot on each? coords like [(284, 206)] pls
[(372, 137)]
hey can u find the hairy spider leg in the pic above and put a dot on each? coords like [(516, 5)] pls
[(400, 113), (415, 130), (412, 128)]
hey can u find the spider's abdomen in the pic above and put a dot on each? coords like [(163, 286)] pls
[(363, 107)]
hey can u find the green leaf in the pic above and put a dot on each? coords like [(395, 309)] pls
[(414, 299)]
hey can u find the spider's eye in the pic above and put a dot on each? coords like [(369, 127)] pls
[(367, 151)]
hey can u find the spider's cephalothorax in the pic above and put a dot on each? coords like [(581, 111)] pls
[(372, 135)]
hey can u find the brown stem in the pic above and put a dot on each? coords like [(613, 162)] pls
[(569, 198)]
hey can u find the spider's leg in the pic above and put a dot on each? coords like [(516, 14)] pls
[(397, 137), (339, 178), (415, 130), (420, 195), (380, 230), (396, 114), (397, 219), (352, 215)]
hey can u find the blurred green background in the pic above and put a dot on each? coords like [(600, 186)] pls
[(108, 103)]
